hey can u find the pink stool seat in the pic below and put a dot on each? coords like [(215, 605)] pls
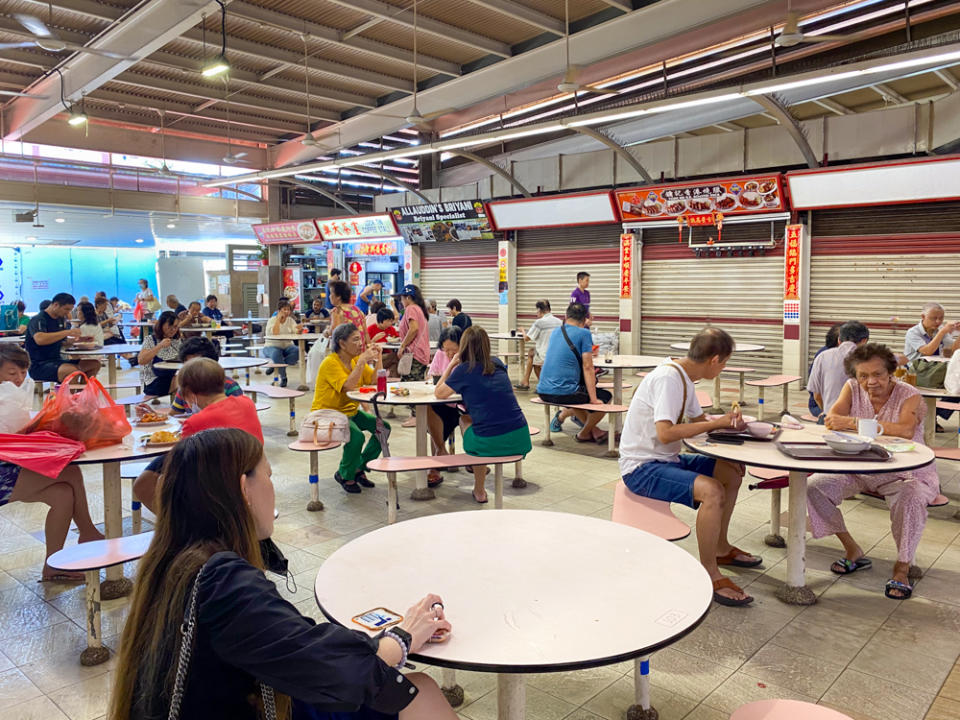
[(589, 407), (773, 381), (397, 464), (534, 431), (704, 398), (609, 386), (947, 453), (807, 417), (648, 514), (941, 405), (786, 710)]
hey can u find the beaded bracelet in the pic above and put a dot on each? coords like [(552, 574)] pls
[(403, 649)]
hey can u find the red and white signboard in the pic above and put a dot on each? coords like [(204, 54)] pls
[(791, 277), (592, 208), (355, 267), (738, 196), (626, 266), (358, 227), (299, 231)]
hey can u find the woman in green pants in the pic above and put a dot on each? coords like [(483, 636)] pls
[(346, 368)]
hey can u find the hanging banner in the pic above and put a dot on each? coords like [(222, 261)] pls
[(358, 227), (503, 284), (791, 278), (626, 266), (742, 196), (279, 233), (443, 222)]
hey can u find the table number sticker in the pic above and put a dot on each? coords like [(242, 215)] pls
[(377, 619), (671, 618)]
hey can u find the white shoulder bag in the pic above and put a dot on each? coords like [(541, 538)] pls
[(325, 426)]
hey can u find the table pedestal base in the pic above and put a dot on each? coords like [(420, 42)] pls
[(641, 709), (795, 590), (113, 589), (511, 696), (796, 595), (775, 539), (448, 686), (914, 573), (315, 503), (423, 494)]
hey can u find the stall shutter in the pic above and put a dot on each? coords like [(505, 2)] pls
[(681, 293), (466, 271), (548, 261), (880, 265)]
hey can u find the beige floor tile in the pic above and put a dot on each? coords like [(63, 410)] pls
[(84, 700), (831, 643), (702, 712), (15, 687), (540, 706), (580, 714), (852, 714), (879, 697), (613, 702), (940, 585), (914, 667), (475, 684), (804, 674), (574, 687), (40, 708), (951, 687), (918, 622), (729, 648), (944, 709), (685, 675), (739, 689), (50, 657)]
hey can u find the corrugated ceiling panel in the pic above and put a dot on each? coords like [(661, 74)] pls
[(433, 45), (478, 19)]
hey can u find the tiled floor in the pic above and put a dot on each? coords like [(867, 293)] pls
[(872, 658)]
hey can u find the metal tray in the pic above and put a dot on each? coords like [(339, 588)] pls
[(744, 435), (820, 451)]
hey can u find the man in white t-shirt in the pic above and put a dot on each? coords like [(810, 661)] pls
[(652, 465), (539, 332)]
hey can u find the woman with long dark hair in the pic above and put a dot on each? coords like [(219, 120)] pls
[(251, 649), (161, 346)]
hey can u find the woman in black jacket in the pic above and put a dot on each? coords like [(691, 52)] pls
[(216, 500)]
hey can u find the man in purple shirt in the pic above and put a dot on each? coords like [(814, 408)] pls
[(581, 295)]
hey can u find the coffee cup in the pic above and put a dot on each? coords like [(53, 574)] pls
[(868, 427)]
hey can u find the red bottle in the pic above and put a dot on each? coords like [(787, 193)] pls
[(381, 381)]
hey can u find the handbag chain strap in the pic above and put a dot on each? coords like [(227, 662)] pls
[(188, 632)]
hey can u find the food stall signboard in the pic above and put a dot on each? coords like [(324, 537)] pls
[(358, 227), (370, 249), (626, 266), (443, 222), (742, 196), (791, 279), (301, 231)]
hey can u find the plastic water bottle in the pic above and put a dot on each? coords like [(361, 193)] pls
[(381, 380)]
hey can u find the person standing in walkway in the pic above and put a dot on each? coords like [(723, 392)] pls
[(581, 294), (334, 276), (343, 312), (539, 333), (459, 318), (366, 296)]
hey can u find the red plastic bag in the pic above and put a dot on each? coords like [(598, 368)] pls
[(137, 317), (90, 415), (43, 452)]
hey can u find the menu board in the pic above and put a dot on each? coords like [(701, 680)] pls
[(287, 232), (444, 222), (357, 227), (742, 196)]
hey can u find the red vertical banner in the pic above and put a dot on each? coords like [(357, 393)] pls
[(626, 266), (791, 277)]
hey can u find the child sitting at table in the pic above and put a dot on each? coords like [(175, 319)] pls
[(652, 465), (64, 494)]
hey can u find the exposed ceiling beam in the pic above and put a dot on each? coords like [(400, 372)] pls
[(624, 5), (888, 93), (88, 8), (208, 93), (391, 178), (727, 127), (524, 14), (789, 123), (948, 79), (509, 177), (622, 152), (320, 191), (366, 25), (255, 13), (143, 31), (272, 54), (833, 106), (427, 25)]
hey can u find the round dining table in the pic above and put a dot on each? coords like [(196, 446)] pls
[(584, 592), (737, 348), (227, 362), (301, 340), (110, 352), (420, 394), (766, 454), (619, 363), (930, 398), (517, 337)]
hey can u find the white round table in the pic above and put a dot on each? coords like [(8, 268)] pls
[(421, 393), (520, 338), (619, 363), (301, 341), (767, 455), (930, 398), (526, 591), (18, 339), (110, 352), (738, 347), (227, 362)]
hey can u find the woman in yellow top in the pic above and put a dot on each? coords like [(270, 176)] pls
[(346, 368)]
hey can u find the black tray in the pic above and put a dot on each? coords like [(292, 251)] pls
[(821, 451), (721, 435)]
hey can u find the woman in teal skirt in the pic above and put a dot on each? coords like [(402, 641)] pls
[(495, 425)]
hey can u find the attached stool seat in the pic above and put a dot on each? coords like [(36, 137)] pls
[(648, 514), (786, 710), (770, 382)]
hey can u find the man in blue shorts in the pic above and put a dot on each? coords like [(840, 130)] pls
[(652, 465)]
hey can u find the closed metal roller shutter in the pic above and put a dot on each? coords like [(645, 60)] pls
[(466, 271), (680, 294), (880, 265), (548, 261)]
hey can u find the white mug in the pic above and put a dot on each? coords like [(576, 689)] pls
[(868, 427)]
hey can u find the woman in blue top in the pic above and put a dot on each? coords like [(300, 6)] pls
[(496, 425)]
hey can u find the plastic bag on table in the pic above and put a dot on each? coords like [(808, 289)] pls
[(316, 355), (89, 416), (15, 405), (952, 379), (43, 452)]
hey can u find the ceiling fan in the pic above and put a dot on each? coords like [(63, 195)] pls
[(569, 83), (16, 93), (792, 35), (45, 39), (415, 117)]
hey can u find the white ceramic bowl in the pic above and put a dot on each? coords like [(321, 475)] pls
[(847, 444), (760, 429)]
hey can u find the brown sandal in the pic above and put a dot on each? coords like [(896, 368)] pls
[(731, 558), (727, 583)]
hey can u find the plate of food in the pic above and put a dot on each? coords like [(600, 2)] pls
[(160, 438), (399, 391), (726, 202), (652, 207), (151, 419), (750, 200), (701, 204), (767, 186), (676, 207)]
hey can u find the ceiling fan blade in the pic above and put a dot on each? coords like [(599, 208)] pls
[(96, 51), (240, 155), (438, 113), (11, 46), (834, 38), (34, 24), (599, 90), (23, 94)]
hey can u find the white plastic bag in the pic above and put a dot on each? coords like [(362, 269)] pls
[(952, 381), (316, 355), (15, 405), (405, 365)]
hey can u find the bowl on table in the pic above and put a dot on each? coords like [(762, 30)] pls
[(846, 443), (759, 429)]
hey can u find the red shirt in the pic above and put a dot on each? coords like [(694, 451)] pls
[(391, 332), (233, 412)]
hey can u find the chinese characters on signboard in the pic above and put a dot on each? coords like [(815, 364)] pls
[(731, 197), (370, 249), (626, 266), (791, 279), (287, 232), (444, 222), (358, 227)]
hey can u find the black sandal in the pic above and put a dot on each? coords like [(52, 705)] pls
[(362, 479), (896, 585), (843, 566), (351, 487)]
